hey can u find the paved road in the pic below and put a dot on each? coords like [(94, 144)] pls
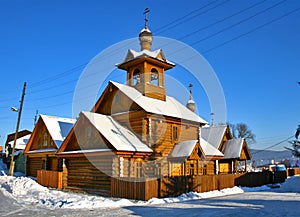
[(247, 204)]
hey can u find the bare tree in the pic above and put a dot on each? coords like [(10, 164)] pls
[(241, 130)]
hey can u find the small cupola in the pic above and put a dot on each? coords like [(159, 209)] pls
[(145, 35), (191, 103), (146, 68)]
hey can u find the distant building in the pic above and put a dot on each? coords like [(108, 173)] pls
[(19, 158)]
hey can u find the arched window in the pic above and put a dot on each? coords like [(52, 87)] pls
[(136, 77), (154, 77)]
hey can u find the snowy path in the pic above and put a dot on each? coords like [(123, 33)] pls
[(246, 204)]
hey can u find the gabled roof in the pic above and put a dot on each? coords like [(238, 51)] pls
[(214, 134), (183, 149), (171, 107), (157, 55), (233, 148), (58, 127), (209, 149), (119, 137), (20, 142), (11, 136)]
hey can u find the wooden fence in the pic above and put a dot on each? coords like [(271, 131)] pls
[(174, 186), (49, 178), (134, 188), (293, 171), (254, 179), (145, 189)]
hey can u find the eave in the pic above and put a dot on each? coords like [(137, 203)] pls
[(138, 60)]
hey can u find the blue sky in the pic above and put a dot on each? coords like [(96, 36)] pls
[(253, 47)]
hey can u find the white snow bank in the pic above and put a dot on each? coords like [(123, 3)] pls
[(28, 191)]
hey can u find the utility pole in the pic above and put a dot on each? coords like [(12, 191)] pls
[(12, 163)]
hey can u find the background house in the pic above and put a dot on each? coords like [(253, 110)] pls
[(47, 136), (235, 150), (19, 158)]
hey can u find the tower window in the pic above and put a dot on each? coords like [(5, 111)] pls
[(154, 77), (136, 77)]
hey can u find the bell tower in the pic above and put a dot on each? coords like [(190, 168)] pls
[(145, 69)]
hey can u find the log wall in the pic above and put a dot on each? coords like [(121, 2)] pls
[(83, 174)]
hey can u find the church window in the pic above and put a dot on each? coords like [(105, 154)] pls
[(174, 133), (154, 77), (136, 77)]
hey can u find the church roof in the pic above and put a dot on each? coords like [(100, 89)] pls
[(171, 107), (233, 148), (58, 127), (209, 149), (157, 54), (183, 149), (119, 137), (213, 134)]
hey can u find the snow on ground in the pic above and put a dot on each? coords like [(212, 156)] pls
[(27, 191)]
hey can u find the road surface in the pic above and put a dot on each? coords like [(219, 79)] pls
[(245, 204)]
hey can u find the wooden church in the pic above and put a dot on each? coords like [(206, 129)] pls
[(135, 131)]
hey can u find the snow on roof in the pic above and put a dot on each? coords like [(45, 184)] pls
[(171, 107), (213, 134), (120, 137), (20, 142), (233, 148), (42, 150), (183, 149), (86, 151), (58, 127), (208, 149), (145, 29), (157, 54)]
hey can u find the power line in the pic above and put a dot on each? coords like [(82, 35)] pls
[(238, 23), (76, 68), (170, 26), (272, 146), (57, 76), (181, 18), (221, 20), (252, 30)]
